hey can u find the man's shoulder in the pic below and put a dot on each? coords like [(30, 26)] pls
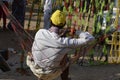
[(42, 31)]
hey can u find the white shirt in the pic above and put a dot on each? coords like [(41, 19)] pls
[(48, 48)]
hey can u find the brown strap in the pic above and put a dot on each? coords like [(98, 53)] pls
[(64, 61)]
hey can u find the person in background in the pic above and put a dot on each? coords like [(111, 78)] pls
[(47, 13), (3, 15), (18, 11), (48, 58), (48, 9)]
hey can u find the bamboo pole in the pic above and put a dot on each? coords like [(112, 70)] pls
[(114, 52)]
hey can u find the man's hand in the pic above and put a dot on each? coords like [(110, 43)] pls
[(86, 35), (74, 57)]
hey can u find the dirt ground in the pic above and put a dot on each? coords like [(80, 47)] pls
[(8, 39)]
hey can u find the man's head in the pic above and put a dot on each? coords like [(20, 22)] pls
[(58, 19)]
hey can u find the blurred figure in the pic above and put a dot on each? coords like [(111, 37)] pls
[(18, 11), (2, 14), (47, 13)]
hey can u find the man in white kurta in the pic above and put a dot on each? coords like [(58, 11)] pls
[(49, 49)]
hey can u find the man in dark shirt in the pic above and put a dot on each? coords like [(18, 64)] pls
[(18, 11)]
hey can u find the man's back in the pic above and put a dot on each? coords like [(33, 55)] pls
[(47, 50)]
